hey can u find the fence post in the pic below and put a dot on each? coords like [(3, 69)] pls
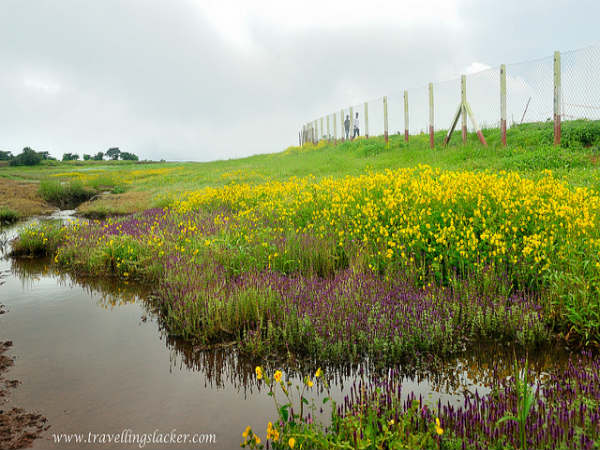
[(322, 130), (328, 133), (463, 110), (406, 116), (367, 120), (431, 115), (342, 125), (351, 123), (503, 103), (385, 119), (557, 93), (334, 128)]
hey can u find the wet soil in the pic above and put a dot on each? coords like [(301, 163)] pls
[(18, 428)]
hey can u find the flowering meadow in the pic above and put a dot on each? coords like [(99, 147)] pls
[(383, 266)]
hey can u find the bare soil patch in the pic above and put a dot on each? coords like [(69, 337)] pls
[(23, 197), (18, 428)]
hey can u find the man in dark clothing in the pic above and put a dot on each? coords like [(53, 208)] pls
[(347, 126)]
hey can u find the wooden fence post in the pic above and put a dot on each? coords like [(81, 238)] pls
[(557, 94), (322, 130), (406, 116), (463, 99), (503, 103), (385, 119), (367, 120), (431, 115), (334, 128)]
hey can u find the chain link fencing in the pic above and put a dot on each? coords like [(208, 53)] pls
[(557, 88)]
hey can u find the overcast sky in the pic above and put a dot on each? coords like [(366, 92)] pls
[(205, 80)]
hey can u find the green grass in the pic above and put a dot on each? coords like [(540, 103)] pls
[(144, 185), (65, 194), (33, 243), (8, 216)]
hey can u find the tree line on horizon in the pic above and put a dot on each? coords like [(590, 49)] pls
[(30, 157)]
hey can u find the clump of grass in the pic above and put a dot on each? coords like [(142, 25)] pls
[(38, 240), (65, 194), (7, 216)]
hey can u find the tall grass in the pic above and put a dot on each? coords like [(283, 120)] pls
[(65, 194), (8, 216)]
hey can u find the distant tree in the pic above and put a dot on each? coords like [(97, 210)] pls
[(5, 155), (70, 157), (98, 156), (113, 153), (86, 157), (126, 156), (28, 157)]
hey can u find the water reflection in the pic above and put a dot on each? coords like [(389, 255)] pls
[(224, 367)]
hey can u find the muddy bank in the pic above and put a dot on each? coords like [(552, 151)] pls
[(18, 428), (23, 198)]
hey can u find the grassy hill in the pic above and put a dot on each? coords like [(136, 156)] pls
[(130, 187)]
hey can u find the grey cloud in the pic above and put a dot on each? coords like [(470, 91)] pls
[(158, 79)]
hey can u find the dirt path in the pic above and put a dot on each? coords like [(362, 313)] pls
[(18, 428)]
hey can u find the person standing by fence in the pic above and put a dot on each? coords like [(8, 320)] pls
[(356, 131), (347, 126)]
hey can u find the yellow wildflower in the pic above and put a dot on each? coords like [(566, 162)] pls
[(438, 429)]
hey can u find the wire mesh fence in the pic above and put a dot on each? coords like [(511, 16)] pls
[(557, 88)]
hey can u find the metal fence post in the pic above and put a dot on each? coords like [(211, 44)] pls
[(385, 119), (367, 120), (463, 110), (557, 94), (503, 103), (431, 115), (406, 116)]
